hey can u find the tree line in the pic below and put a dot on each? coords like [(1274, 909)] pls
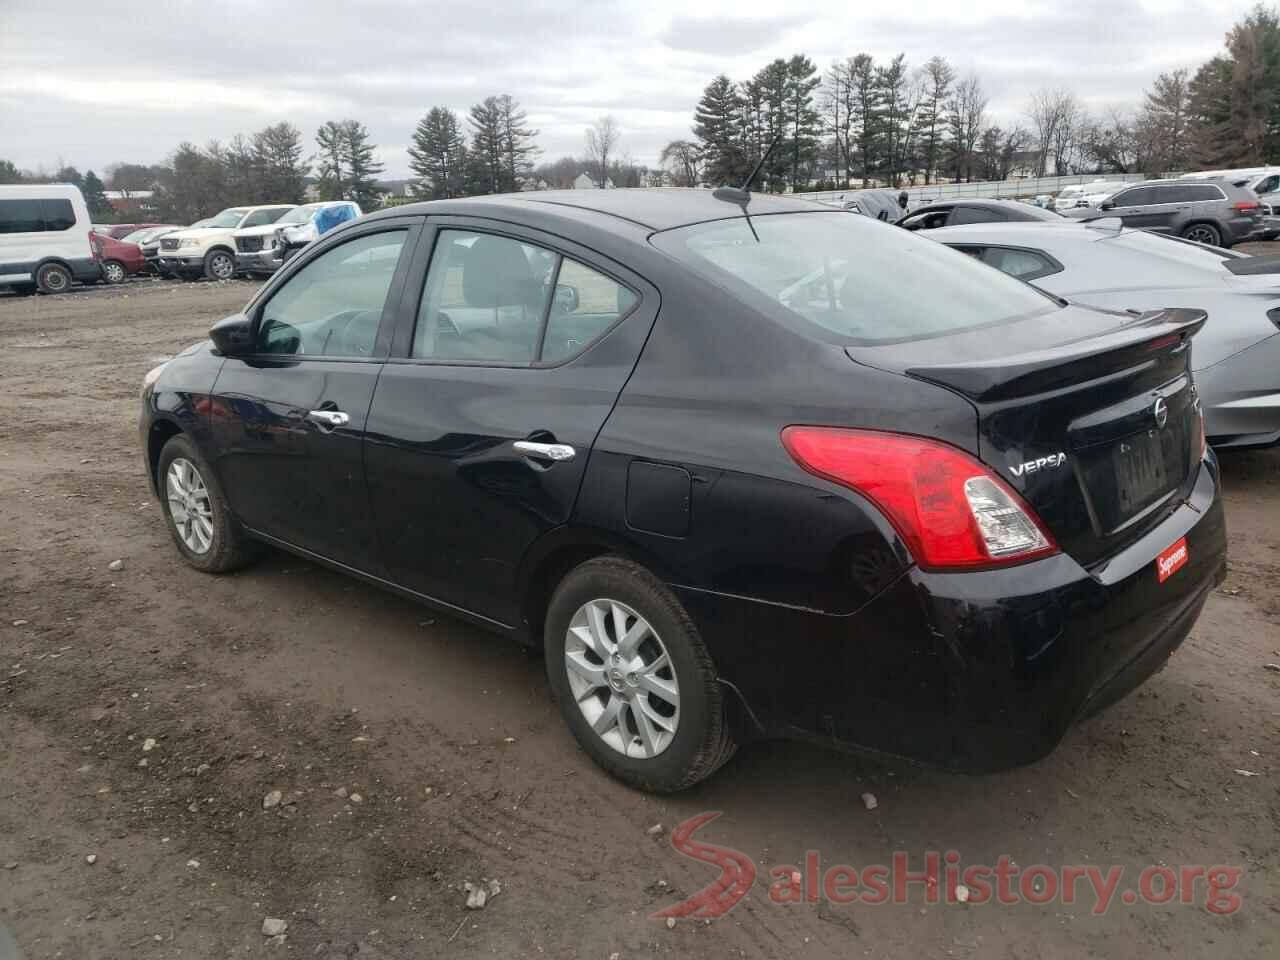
[(863, 122)]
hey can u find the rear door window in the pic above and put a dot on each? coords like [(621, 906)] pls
[(497, 300), (58, 214), (1020, 263), (963, 214)]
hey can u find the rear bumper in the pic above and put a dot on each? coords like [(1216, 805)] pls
[(974, 671), (1242, 228)]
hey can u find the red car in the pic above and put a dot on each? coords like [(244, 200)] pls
[(118, 231), (118, 259)]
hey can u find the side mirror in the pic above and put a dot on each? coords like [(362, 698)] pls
[(566, 297), (1107, 205), (232, 335)]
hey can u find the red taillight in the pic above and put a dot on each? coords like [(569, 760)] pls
[(1245, 205), (95, 246), (950, 510), (1204, 439)]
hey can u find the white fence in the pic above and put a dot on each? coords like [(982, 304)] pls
[(1027, 187)]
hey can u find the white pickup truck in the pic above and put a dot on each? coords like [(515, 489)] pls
[(210, 250)]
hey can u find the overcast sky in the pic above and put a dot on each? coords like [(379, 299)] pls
[(89, 84)]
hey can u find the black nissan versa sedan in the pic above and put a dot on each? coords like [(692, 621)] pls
[(739, 468)]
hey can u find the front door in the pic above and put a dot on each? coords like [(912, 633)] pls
[(486, 412), (289, 419)]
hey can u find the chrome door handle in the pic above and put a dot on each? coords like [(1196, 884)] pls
[(330, 418), (547, 451)]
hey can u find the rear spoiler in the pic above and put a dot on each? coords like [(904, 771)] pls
[(1087, 358), (1252, 266)]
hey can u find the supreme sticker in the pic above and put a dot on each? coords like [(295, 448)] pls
[(1172, 560)]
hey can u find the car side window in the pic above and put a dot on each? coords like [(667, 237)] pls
[(260, 218), (1267, 185), (1198, 192), (927, 219), (1023, 264), (493, 299), (485, 299), (1132, 198), (585, 305), (333, 305), (973, 215)]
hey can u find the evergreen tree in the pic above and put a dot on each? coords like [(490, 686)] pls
[(718, 125), (243, 181), (1167, 115), (9, 173), (486, 170), (863, 126), (937, 77), (277, 161), (438, 155), (518, 148), (95, 197), (803, 124), (362, 165), (69, 175), (331, 165)]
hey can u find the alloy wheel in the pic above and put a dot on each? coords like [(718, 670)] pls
[(189, 505), (222, 266), (1202, 235), (113, 272), (55, 281), (622, 678)]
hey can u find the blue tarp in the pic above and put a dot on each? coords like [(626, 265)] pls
[(326, 218)]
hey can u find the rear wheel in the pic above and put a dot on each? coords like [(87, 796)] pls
[(633, 678), (219, 265), (113, 271), (197, 512), (1203, 233), (53, 278)]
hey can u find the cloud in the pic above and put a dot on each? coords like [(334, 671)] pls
[(132, 88)]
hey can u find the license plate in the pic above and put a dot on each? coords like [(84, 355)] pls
[(1141, 474), (1173, 559)]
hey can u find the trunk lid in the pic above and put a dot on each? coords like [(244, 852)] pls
[(1090, 415)]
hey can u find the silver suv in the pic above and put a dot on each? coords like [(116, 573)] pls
[(1213, 212)]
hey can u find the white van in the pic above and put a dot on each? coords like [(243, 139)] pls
[(45, 238)]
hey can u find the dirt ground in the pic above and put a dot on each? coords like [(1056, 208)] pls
[(147, 711)]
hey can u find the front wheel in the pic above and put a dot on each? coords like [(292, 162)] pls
[(53, 278), (219, 265), (634, 680), (114, 272), (1205, 233), (196, 510)]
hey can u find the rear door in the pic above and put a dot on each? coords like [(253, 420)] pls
[(500, 378), (289, 420)]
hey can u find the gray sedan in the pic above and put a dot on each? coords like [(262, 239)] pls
[(1236, 358)]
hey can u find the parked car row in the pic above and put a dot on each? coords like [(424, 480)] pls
[(47, 242)]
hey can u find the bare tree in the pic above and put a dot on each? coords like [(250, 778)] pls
[(683, 161), (966, 116), (602, 138), (1054, 115)]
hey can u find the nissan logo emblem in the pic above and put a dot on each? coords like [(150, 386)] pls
[(1161, 412)]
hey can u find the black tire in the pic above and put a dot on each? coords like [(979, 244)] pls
[(219, 264), (23, 289), (701, 742), (229, 548), (113, 271), (1203, 233), (53, 278)]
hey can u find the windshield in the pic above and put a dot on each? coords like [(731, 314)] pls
[(862, 281), (299, 214), (227, 218)]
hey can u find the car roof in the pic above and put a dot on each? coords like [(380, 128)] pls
[(650, 207), (1028, 232)]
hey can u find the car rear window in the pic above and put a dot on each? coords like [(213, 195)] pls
[(856, 280)]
